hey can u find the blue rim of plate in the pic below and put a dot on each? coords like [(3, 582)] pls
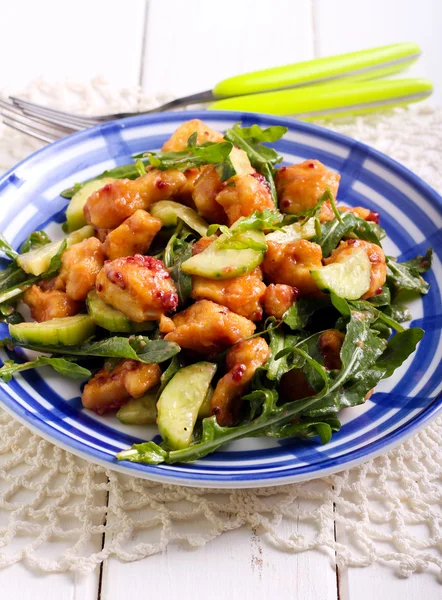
[(368, 178)]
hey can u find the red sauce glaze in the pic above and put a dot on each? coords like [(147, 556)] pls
[(161, 184), (117, 278), (106, 188), (296, 293), (99, 287), (312, 165), (374, 217), (378, 291), (169, 300), (238, 372)]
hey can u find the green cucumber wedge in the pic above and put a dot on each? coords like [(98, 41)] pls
[(216, 262), (349, 278), (139, 411), (168, 212), (37, 261), (74, 212), (67, 331), (291, 233), (110, 318), (180, 402)]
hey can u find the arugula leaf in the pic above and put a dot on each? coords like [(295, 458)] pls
[(61, 365), (6, 248), (262, 158), (266, 220), (407, 275), (11, 276), (195, 156), (398, 350), (421, 264), (298, 315), (35, 240), (398, 312), (368, 231), (333, 232), (307, 427), (135, 347), (124, 172)]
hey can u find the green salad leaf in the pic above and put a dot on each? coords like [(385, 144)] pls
[(262, 158), (136, 347), (407, 275), (65, 367), (35, 240)]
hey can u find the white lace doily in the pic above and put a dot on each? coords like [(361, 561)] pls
[(54, 507)]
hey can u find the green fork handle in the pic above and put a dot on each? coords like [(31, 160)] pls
[(326, 101), (365, 64)]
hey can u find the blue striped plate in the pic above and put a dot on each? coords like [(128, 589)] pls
[(411, 212)]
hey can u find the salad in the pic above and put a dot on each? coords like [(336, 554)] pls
[(209, 290)]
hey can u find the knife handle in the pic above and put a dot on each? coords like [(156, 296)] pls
[(325, 101), (365, 64)]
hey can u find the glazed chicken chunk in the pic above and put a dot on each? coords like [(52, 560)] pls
[(244, 195), (300, 186), (49, 304), (208, 328), (291, 264), (80, 265), (112, 204), (139, 286), (178, 140), (376, 256), (242, 295), (111, 388), (133, 236), (242, 361), (330, 344), (206, 188), (278, 298)]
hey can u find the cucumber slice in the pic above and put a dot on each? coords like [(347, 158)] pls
[(139, 411), (74, 212), (291, 233), (218, 263), (67, 331), (37, 261), (168, 212), (349, 278), (110, 318), (206, 408), (180, 402), (240, 162)]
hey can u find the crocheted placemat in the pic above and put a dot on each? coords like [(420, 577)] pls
[(55, 507)]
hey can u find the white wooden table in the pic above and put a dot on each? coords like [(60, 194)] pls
[(184, 46)]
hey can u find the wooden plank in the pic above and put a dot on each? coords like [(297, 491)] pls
[(238, 564), (192, 45), (71, 40), (345, 26), (19, 583)]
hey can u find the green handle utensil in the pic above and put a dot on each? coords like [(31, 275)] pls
[(365, 64), (326, 101)]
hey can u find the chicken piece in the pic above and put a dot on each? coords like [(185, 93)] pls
[(139, 286), (362, 213), (330, 344), (242, 295), (50, 304), (55, 283), (376, 256), (300, 186), (291, 264), (185, 193), (202, 244), (246, 194), (208, 328), (206, 188), (80, 265), (102, 234), (133, 236), (110, 389), (166, 324), (112, 204), (242, 361), (178, 141), (278, 298)]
